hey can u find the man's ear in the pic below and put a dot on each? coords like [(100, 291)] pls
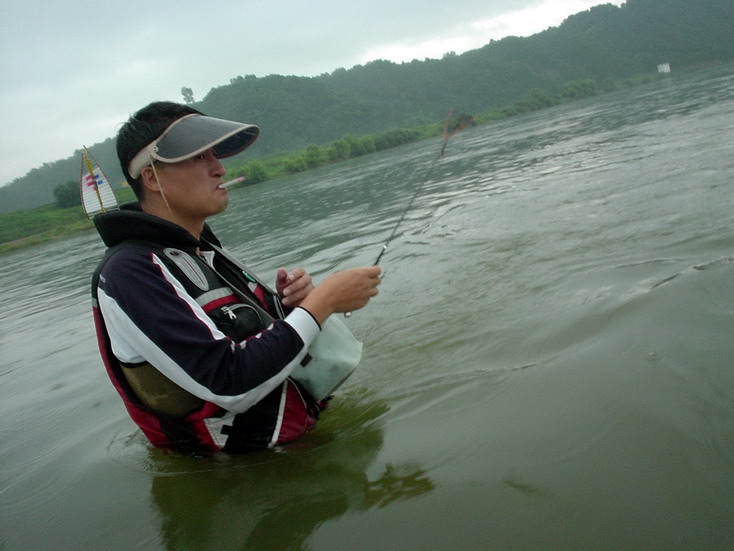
[(149, 179)]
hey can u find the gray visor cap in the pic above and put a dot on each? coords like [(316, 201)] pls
[(193, 135)]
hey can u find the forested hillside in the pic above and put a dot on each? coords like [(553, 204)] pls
[(605, 42)]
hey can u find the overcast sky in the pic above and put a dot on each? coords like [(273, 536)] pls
[(71, 71)]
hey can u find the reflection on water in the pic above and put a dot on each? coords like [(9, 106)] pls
[(275, 500), (548, 364)]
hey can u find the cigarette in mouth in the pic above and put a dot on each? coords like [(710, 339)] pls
[(232, 182)]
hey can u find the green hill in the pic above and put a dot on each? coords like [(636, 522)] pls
[(605, 42)]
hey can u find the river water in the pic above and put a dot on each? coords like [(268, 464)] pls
[(549, 364)]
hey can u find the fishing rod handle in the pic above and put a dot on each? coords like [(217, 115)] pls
[(379, 256)]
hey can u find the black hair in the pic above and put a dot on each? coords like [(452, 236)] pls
[(141, 129)]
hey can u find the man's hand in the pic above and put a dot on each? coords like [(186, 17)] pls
[(342, 292), (293, 286)]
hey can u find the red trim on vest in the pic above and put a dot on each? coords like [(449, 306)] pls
[(148, 422), (196, 422), (230, 299), (297, 419), (259, 293)]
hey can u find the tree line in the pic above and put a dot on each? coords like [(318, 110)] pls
[(590, 49)]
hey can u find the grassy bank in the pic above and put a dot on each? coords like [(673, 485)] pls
[(29, 227)]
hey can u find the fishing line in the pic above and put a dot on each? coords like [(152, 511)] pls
[(463, 121), (446, 136), (405, 211)]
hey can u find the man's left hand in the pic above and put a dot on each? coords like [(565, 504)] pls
[(293, 286)]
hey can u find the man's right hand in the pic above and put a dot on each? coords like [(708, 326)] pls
[(343, 291)]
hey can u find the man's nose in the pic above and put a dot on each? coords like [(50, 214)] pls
[(216, 166)]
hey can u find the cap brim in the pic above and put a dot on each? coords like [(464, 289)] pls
[(193, 135)]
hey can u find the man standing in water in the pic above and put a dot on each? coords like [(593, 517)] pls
[(199, 349)]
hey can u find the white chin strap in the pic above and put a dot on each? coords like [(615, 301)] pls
[(160, 187), (145, 157)]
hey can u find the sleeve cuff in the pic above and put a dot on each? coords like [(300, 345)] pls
[(304, 324)]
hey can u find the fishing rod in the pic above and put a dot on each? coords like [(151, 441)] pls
[(446, 135), (405, 211), (462, 122)]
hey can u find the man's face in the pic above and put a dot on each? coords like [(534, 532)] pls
[(192, 187)]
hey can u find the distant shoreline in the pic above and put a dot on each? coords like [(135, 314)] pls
[(20, 229)]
